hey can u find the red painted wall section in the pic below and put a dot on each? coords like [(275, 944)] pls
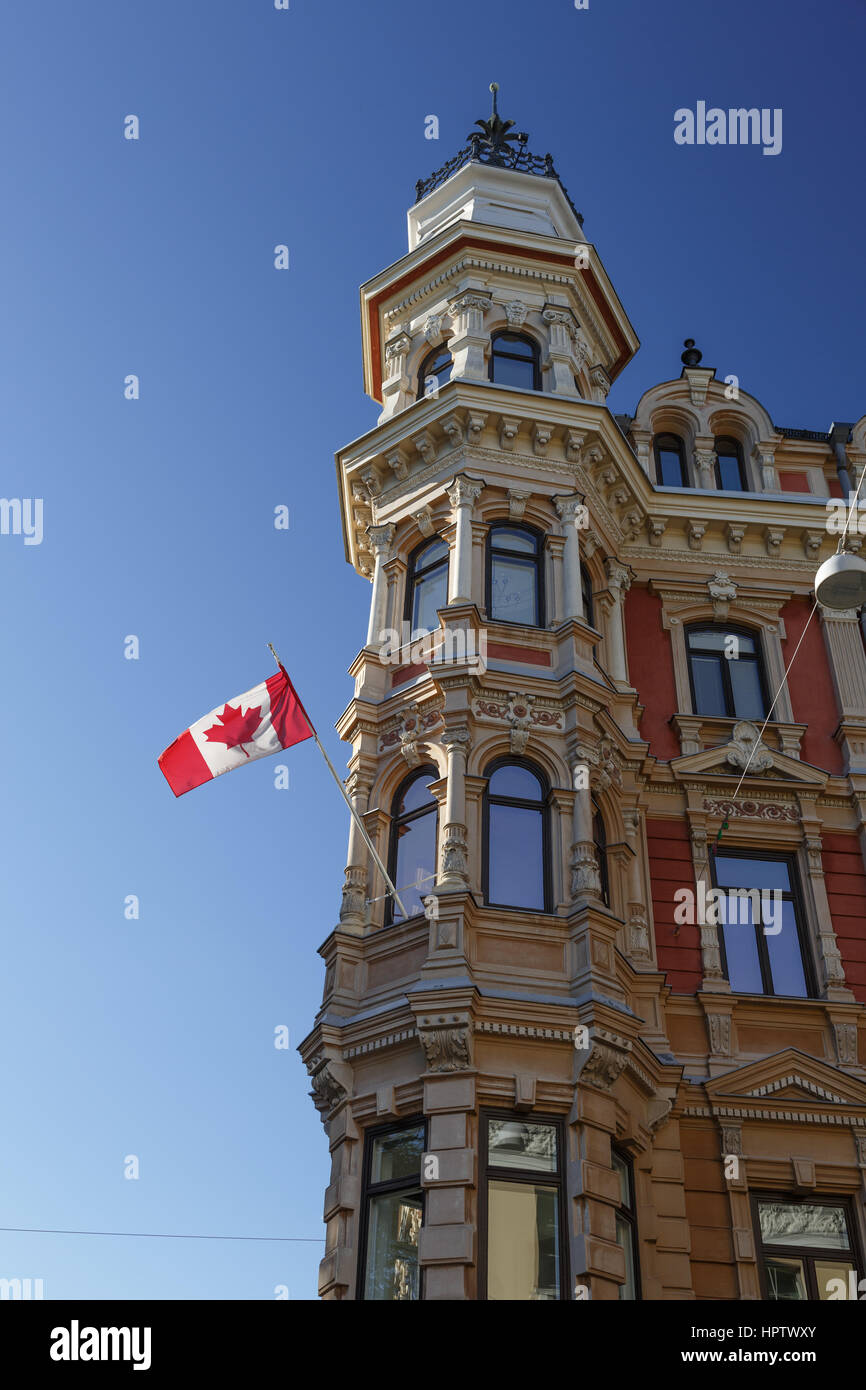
[(678, 948), (845, 879), (651, 670), (812, 696), (794, 482)]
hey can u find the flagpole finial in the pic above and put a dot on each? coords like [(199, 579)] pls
[(274, 655)]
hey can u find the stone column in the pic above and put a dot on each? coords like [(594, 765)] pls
[(453, 859), (619, 583), (560, 362), (397, 390), (711, 957), (463, 493), (571, 511), (585, 877), (469, 340), (637, 936), (353, 912), (705, 465), (844, 643), (380, 543)]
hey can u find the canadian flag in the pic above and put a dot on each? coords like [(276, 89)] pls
[(264, 720)]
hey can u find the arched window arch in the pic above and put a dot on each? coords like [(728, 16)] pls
[(599, 837), (412, 851), (516, 870), (586, 592), (726, 671), (434, 371), (427, 584), (515, 575), (730, 468), (670, 456), (515, 361)]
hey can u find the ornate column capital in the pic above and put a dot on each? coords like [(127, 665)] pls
[(570, 509), (464, 491), (619, 578), (381, 539)]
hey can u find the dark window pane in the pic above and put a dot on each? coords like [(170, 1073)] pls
[(746, 685), (712, 641), (431, 593), (670, 468), (392, 1247), (514, 597), (519, 1144), (436, 550), (729, 473), (508, 372), (709, 690), (416, 863), (586, 591), (786, 1280), (741, 949), (514, 343), (741, 871), (416, 796), (515, 781), (523, 1242), (786, 957), (504, 539), (621, 1168), (397, 1155), (625, 1240), (516, 857)]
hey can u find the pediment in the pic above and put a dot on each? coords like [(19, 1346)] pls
[(746, 751), (789, 1075)]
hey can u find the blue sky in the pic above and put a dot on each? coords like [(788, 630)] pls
[(257, 127)]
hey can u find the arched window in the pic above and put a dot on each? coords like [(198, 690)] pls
[(515, 576), (427, 584), (726, 672), (516, 837), (434, 371), (599, 836), (730, 469), (514, 361), (670, 457), (586, 591), (412, 856)]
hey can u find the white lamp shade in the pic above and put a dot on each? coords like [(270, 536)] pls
[(841, 581)]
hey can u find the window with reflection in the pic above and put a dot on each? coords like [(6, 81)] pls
[(434, 371), (599, 836), (730, 469), (514, 361), (393, 1213), (427, 585), (670, 456), (726, 672), (586, 593), (412, 858), (522, 1208), (515, 576), (626, 1224), (516, 837), (807, 1248), (760, 924)]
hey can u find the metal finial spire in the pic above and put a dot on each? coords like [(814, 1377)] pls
[(494, 87)]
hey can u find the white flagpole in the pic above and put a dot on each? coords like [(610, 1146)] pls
[(352, 812)]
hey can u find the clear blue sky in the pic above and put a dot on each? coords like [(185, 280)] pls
[(155, 1037)]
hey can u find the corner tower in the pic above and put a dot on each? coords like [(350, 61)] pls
[(464, 1057)]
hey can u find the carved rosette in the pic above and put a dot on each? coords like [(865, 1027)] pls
[(446, 1040)]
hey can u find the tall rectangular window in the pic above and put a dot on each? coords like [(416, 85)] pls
[(762, 929), (626, 1225), (522, 1208), (393, 1212), (808, 1249)]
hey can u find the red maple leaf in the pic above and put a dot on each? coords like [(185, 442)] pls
[(236, 728)]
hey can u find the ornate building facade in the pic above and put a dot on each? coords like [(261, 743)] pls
[(596, 1049)]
